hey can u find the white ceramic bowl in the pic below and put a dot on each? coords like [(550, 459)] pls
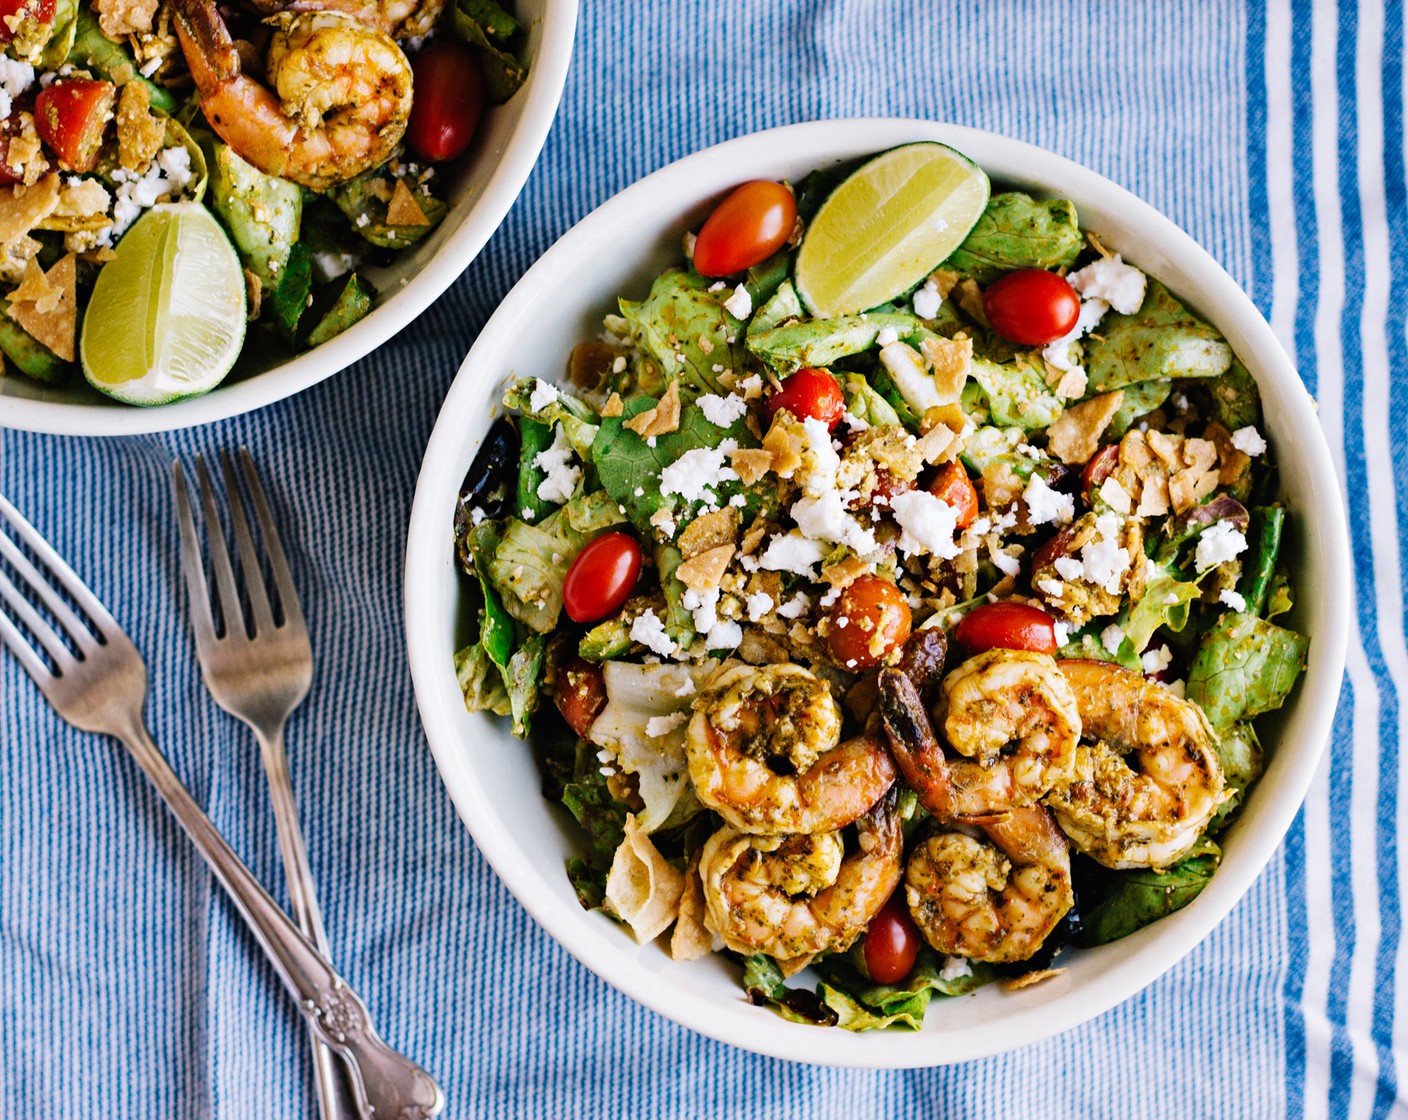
[(482, 185), (617, 250)]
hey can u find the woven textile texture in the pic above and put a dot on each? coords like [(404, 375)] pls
[(1271, 130)]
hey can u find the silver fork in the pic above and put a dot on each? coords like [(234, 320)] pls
[(259, 678), (95, 679)]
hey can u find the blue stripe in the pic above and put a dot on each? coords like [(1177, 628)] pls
[(1258, 201)]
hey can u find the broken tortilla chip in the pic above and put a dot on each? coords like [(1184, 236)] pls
[(46, 305), (403, 209)]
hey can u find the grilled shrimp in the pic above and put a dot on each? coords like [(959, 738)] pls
[(993, 899), (764, 753), (401, 19), (795, 895), (340, 101), (1011, 712), (1149, 781)]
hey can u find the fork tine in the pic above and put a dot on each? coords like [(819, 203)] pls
[(244, 542), (104, 625), (46, 635), (202, 620), (220, 558), (24, 653), (77, 629), (278, 562)]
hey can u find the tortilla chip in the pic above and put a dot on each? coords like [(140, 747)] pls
[(845, 572), (1027, 979), (969, 297), (660, 420), (1071, 384), (613, 405), (750, 463), (642, 889), (403, 209), (943, 281), (120, 18), (710, 531), (690, 939), (950, 360), (23, 208), (52, 317), (1075, 435), (140, 134), (707, 569)]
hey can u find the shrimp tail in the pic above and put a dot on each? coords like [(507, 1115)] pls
[(210, 52), (912, 741)]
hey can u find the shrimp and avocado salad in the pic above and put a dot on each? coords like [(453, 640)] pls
[(891, 603), (172, 170)]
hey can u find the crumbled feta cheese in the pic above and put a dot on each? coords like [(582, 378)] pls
[(722, 412), (796, 606), (1230, 598), (1179, 688), (723, 635), (915, 383), (1157, 660), (477, 516), (825, 518), (658, 726), (717, 286), (1007, 565), (1063, 633), (792, 552), (1051, 587), (1111, 638), (649, 631), (330, 266), (166, 178), (1218, 544), (686, 688), (151, 66), (556, 463), (927, 300), (703, 606), (740, 304), (1058, 353), (527, 513), (855, 423), (543, 395), (886, 336), (1104, 559), (1118, 284), (955, 968), (1248, 440), (687, 244), (1045, 505), (927, 524), (696, 470), (758, 605), (15, 78), (1068, 567)]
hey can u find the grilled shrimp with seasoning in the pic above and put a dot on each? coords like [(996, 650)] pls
[(401, 19), (795, 895), (994, 897), (765, 753), (1012, 713), (340, 101), (1149, 780)]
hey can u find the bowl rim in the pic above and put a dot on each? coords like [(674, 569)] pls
[(542, 93), (437, 693)]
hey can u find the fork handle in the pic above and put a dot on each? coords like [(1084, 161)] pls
[(388, 1085)]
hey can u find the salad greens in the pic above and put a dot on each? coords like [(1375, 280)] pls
[(698, 551)]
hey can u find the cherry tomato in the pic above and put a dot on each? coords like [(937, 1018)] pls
[(1031, 306), (746, 228), (449, 98), (601, 577), (870, 620), (953, 486), (887, 485), (1007, 625), (809, 394), (579, 693), (1100, 467), (891, 941), (15, 12), (70, 116)]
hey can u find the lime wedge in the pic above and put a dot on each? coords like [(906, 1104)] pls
[(167, 315), (887, 226)]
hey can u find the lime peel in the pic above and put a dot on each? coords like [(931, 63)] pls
[(887, 226)]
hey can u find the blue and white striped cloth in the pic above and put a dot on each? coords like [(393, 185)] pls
[(1271, 129)]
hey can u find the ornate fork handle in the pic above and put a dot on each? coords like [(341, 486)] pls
[(389, 1085)]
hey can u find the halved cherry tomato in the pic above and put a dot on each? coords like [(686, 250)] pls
[(746, 228), (891, 941), (601, 577), (887, 486), (70, 117), (449, 85), (1100, 467), (14, 12), (870, 620), (953, 486), (1031, 306), (579, 693), (1007, 625), (809, 394)]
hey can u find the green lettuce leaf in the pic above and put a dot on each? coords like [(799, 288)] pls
[(1130, 900), (529, 566), (1018, 231), (1239, 751), (1017, 394), (578, 419), (1259, 563), (820, 342), (1163, 339), (864, 403), (784, 304), (481, 682), (1165, 603), (1236, 401), (684, 327), (1245, 666), (1138, 400), (521, 677)]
